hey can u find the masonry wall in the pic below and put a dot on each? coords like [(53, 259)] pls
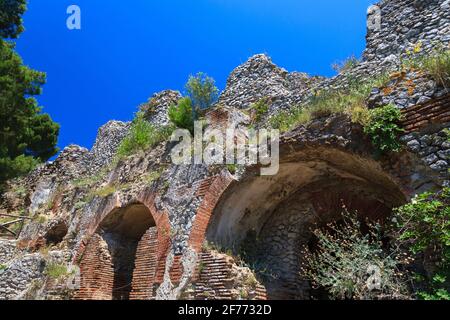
[(145, 266), (217, 278), (403, 24), (97, 272)]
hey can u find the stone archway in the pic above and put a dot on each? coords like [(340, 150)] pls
[(119, 261), (270, 218)]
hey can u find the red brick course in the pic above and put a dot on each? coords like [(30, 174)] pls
[(212, 197), (145, 266), (420, 116), (97, 280), (215, 279)]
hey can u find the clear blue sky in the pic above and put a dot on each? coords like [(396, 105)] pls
[(127, 50)]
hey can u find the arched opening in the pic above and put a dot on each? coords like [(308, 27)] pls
[(109, 264), (56, 233), (267, 220)]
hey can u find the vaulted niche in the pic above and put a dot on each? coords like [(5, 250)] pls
[(108, 266), (267, 220), (122, 230)]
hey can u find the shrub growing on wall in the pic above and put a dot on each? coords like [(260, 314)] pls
[(181, 115), (351, 264), (261, 107), (383, 128), (423, 226)]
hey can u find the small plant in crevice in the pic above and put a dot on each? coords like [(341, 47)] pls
[(41, 219), (243, 294), (346, 65), (261, 107), (201, 267), (383, 128), (105, 191), (351, 264), (91, 180), (435, 63), (232, 168), (152, 176), (56, 270), (423, 226)]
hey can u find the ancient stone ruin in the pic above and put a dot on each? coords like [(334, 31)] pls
[(143, 228)]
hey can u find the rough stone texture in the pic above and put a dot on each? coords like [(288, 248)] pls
[(406, 90), (156, 109), (108, 139), (22, 272), (260, 78), (218, 277), (71, 198), (8, 250), (406, 22)]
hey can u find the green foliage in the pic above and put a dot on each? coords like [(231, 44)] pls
[(152, 176), (351, 101), (438, 66), (18, 166), (424, 227), (261, 108), (142, 136), (56, 271), (11, 12), (346, 65), (181, 115), (285, 121), (383, 128), (41, 219), (426, 221), (202, 90), (3, 267), (232, 168), (344, 259), (105, 191), (26, 135), (435, 63)]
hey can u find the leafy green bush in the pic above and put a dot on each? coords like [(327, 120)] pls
[(202, 91), (424, 227), (346, 258), (181, 115), (383, 128), (142, 136)]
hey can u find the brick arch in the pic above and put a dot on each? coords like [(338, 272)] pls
[(304, 164), (94, 256)]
